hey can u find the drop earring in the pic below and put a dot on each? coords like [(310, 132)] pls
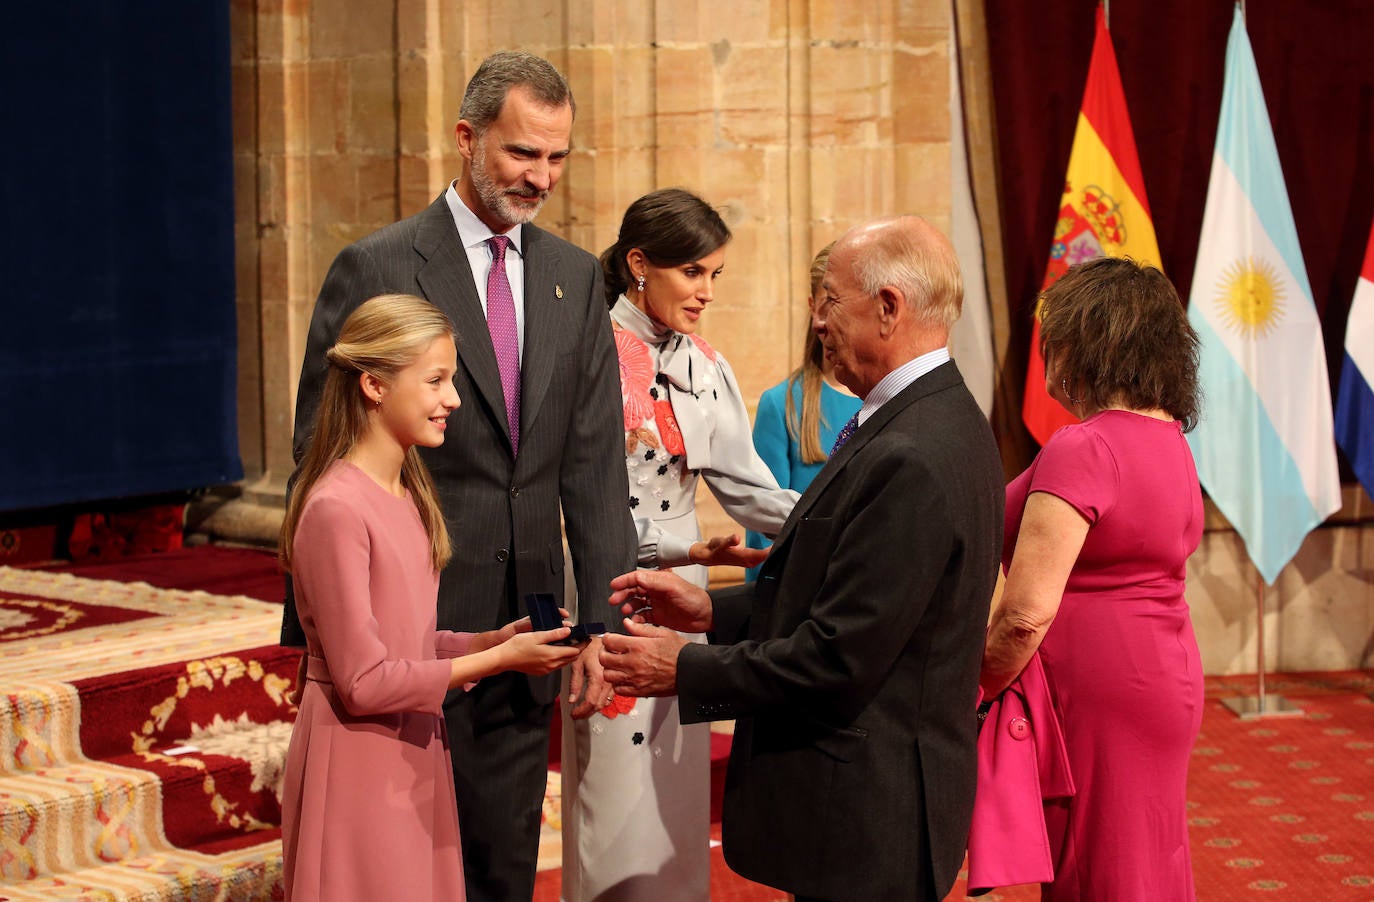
[(639, 284), (1063, 383)]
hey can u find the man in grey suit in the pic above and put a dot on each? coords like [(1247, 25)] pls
[(851, 665), (540, 428)]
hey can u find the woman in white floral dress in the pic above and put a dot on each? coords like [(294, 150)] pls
[(636, 782)]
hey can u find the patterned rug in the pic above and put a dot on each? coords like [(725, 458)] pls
[(144, 731)]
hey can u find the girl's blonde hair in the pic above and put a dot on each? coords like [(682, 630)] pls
[(804, 426), (382, 337)]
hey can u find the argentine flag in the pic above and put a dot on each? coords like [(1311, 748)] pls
[(1355, 399), (1264, 448)]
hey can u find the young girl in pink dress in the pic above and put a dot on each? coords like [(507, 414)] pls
[(368, 808)]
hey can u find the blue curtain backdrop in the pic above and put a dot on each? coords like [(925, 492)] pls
[(118, 330)]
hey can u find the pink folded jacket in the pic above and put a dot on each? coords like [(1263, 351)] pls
[(1022, 762)]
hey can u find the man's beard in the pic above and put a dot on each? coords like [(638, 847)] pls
[(497, 200)]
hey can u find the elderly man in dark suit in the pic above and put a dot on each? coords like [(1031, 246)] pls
[(540, 428), (851, 666)]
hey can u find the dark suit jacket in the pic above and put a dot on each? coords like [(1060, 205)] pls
[(571, 426), (852, 664)]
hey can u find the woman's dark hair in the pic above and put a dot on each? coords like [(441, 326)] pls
[(670, 227), (1118, 334)]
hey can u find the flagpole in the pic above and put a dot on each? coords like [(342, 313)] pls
[(1249, 707), (1259, 629)]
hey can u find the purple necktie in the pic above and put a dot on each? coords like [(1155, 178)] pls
[(845, 433), (504, 338)]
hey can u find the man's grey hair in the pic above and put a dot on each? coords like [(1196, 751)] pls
[(919, 261), (506, 69)]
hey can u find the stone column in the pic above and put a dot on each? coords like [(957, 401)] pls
[(271, 79)]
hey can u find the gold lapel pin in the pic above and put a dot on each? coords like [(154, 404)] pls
[(558, 292)]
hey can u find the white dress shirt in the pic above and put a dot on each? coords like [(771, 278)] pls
[(892, 384)]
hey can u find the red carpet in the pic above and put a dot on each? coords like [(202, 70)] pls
[(1283, 807), (215, 569)]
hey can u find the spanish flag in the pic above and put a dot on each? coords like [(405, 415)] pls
[(1102, 213)]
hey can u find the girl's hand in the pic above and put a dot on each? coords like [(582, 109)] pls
[(523, 626), (510, 629), (493, 638), (530, 652)]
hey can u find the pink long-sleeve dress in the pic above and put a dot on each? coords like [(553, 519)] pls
[(1121, 659), (368, 808)]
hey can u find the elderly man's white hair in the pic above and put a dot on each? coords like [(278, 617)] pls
[(911, 255)]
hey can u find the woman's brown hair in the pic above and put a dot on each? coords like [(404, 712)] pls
[(1117, 334), (382, 337)]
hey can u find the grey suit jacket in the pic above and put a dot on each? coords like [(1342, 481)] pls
[(501, 507), (852, 664)]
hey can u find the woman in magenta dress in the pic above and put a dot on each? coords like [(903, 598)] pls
[(1098, 532), (368, 808)]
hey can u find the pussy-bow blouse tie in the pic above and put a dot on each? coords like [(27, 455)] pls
[(676, 364)]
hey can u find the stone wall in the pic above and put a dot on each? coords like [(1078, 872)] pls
[(1318, 615)]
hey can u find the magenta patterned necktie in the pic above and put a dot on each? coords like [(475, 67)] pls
[(501, 323), (845, 433)]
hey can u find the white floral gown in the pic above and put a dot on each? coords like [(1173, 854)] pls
[(636, 782)]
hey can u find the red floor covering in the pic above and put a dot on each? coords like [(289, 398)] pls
[(1280, 808), (217, 569)]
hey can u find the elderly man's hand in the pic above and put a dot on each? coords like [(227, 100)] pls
[(663, 598), (643, 663)]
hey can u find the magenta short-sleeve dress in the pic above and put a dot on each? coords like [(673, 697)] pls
[(368, 808), (1120, 657)]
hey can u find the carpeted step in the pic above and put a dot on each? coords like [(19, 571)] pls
[(252, 873), (86, 814), (213, 731), (80, 818), (216, 569), (138, 709), (40, 724), (72, 816), (146, 735), (168, 705), (213, 803)]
